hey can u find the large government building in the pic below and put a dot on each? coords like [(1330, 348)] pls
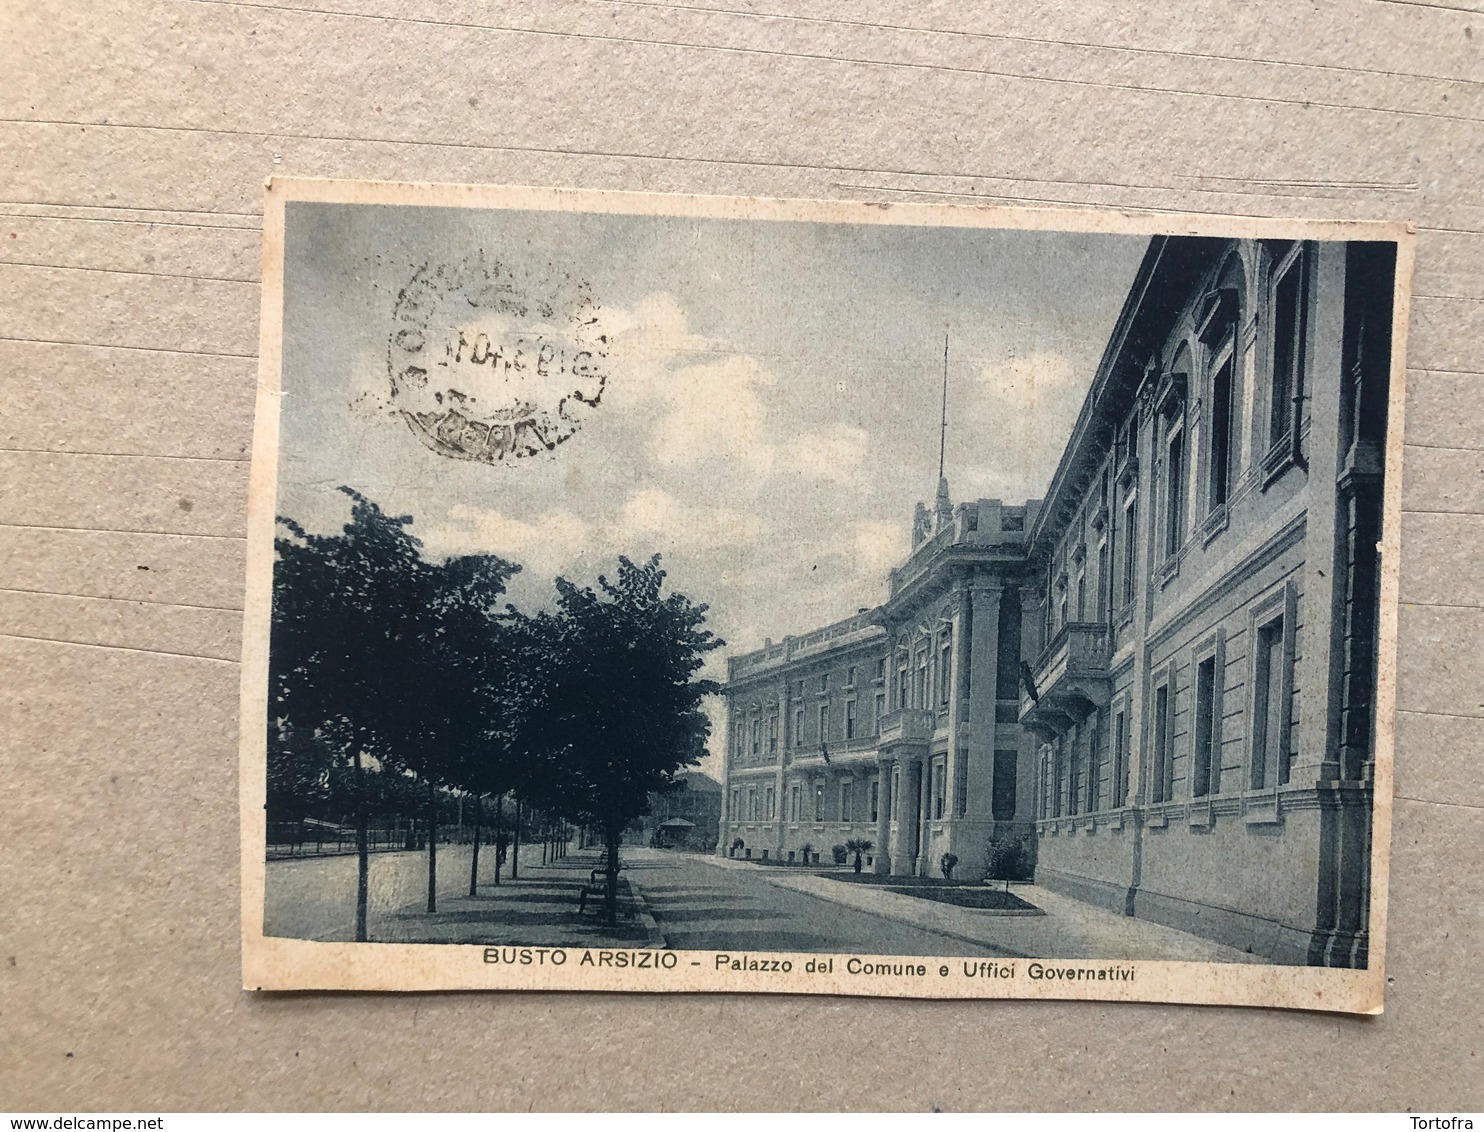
[(1157, 679)]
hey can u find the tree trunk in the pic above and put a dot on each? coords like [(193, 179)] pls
[(515, 845), (545, 842), (610, 895), (474, 861), (432, 846), (499, 834), (363, 853)]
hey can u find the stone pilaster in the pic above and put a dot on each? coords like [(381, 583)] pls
[(883, 817), (909, 801), (1316, 757)]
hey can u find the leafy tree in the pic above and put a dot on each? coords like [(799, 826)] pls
[(619, 708), (858, 846), (384, 652), (299, 768)]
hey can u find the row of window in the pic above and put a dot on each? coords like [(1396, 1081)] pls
[(1087, 768), (809, 803), (919, 685), (760, 733), (1077, 592)]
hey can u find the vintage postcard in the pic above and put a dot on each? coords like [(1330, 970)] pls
[(678, 593)]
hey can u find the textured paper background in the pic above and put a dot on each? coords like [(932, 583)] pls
[(135, 139)]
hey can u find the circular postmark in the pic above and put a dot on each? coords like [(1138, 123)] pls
[(488, 363)]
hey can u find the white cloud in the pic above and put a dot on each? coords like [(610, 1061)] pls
[(703, 402), (645, 343), (879, 546), (835, 456), (1027, 383), (544, 545), (714, 412), (1019, 414), (667, 524)]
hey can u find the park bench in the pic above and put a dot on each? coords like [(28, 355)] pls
[(596, 886)]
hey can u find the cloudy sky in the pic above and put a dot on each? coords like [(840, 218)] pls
[(771, 413)]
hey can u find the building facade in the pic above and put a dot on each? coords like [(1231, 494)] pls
[(1160, 675), (896, 726)]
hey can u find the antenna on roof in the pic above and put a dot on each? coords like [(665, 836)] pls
[(943, 429)]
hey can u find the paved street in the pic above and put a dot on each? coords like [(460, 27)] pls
[(701, 906), (686, 901)]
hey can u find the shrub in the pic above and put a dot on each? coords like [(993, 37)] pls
[(1006, 859), (947, 862), (840, 854)]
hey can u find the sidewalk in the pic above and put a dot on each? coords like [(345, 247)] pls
[(1070, 929), (537, 910)]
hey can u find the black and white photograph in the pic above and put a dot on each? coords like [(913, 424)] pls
[(686, 593)]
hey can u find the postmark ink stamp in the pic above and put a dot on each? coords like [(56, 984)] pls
[(489, 363)]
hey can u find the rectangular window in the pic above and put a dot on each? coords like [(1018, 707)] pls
[(1175, 493), (1161, 742), (896, 792), (1221, 433), (772, 733), (1130, 547), (819, 803), (1120, 761), (1081, 595), (940, 788), (850, 676), (757, 741), (1203, 781), (875, 800), (919, 690), (824, 724), (824, 682), (902, 685), (1095, 764), (945, 671), (793, 804), (769, 803), (881, 669), (1288, 349), (1074, 770), (880, 711), (850, 719), (799, 727), (1058, 765), (1268, 715), (1105, 587), (846, 801), (752, 805)]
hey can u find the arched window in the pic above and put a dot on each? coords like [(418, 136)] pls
[(1288, 302), (1218, 323)]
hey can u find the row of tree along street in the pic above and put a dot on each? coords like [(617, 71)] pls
[(402, 687)]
